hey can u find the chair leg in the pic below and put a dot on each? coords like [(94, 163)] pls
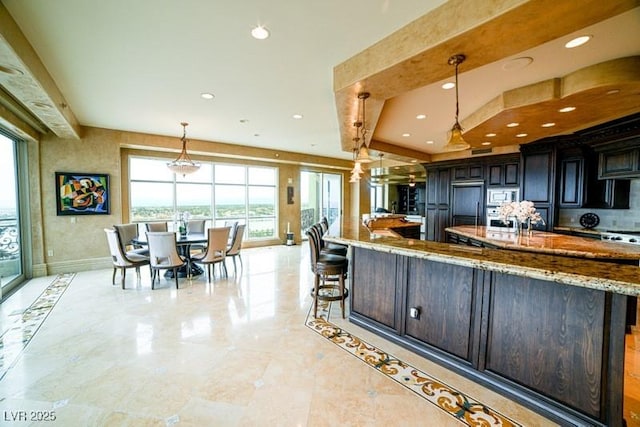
[(175, 275), (342, 293), (316, 289), (153, 278), (113, 276), (124, 276), (224, 267)]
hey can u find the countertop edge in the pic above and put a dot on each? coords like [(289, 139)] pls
[(573, 279)]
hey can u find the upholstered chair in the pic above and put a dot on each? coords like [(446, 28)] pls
[(233, 250), (163, 255), (156, 226), (121, 259), (216, 250), (126, 233)]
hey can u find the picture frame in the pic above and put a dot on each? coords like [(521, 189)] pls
[(82, 193)]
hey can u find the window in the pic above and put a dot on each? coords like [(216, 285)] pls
[(219, 192)]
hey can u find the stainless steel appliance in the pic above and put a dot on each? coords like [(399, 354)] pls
[(495, 198), (612, 236)]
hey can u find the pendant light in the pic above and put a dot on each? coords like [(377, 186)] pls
[(363, 151), (456, 142), (183, 165)]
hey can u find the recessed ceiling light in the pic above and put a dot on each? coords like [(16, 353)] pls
[(297, 116), (486, 143), (260, 32), (396, 167), (513, 124), (517, 63), (613, 91), (578, 41), (414, 161), (449, 85), (566, 109), (548, 125), (430, 141), (207, 95), (521, 135), (490, 135), (406, 135), (421, 116)]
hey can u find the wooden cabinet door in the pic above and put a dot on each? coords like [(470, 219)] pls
[(445, 308), (373, 288)]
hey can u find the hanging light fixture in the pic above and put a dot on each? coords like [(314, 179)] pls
[(363, 151), (183, 164), (456, 142), (357, 171)]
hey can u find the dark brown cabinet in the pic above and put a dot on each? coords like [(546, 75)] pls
[(579, 186), (505, 172), (437, 206), (411, 199), (621, 163), (538, 181)]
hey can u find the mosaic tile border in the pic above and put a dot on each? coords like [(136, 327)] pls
[(14, 340), (465, 409)]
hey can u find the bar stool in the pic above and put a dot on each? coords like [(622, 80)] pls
[(327, 247), (327, 268)]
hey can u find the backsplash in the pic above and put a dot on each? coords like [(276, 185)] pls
[(610, 219)]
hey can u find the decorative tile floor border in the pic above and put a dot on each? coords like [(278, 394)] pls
[(465, 409), (14, 340)]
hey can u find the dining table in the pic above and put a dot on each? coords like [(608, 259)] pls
[(183, 243)]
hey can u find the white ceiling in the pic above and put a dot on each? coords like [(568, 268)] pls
[(141, 66)]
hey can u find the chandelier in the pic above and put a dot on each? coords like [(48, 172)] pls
[(183, 164), (456, 142), (360, 150)]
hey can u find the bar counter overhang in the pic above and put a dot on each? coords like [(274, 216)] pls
[(546, 330)]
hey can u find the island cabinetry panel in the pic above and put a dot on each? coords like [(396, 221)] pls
[(445, 308), (374, 296), (549, 338)]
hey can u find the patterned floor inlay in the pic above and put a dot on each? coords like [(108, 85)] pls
[(464, 408), (14, 340)]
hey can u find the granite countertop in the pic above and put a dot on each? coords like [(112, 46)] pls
[(551, 243), (587, 273)]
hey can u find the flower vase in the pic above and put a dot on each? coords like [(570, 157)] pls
[(183, 229)]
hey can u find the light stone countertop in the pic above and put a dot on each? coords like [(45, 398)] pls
[(551, 243), (587, 273)]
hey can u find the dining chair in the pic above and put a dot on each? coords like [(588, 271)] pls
[(233, 250), (216, 250), (121, 259), (163, 255), (156, 226), (196, 226), (234, 228), (126, 233)]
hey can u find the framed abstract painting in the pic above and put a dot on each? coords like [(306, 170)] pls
[(82, 193)]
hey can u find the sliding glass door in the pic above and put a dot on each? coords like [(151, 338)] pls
[(321, 196), (11, 271)]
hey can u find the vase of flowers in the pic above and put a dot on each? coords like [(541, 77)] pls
[(183, 221), (522, 213)]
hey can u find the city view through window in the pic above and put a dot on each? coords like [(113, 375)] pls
[(217, 192)]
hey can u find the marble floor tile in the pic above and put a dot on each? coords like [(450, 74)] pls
[(236, 351)]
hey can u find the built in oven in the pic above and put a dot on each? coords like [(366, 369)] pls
[(495, 222)]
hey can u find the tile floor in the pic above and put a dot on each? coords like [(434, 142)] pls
[(235, 352)]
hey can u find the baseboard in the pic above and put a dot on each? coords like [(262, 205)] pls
[(77, 265)]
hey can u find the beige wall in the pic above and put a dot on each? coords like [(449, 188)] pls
[(78, 242)]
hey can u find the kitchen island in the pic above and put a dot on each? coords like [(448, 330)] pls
[(546, 330), (545, 243)]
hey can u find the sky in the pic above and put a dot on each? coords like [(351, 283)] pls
[(7, 174)]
